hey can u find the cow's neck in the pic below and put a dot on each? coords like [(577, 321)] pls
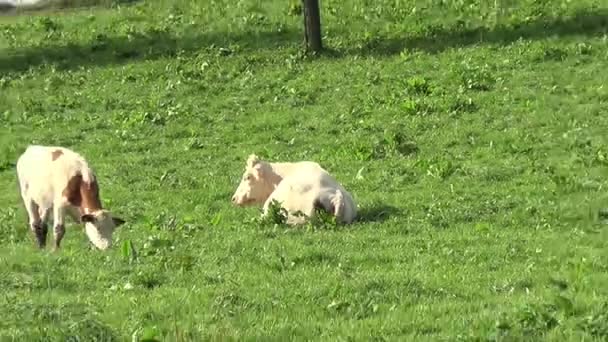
[(275, 176), (89, 193), (83, 195)]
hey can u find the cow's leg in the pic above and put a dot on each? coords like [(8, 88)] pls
[(58, 224), (44, 220), (36, 224)]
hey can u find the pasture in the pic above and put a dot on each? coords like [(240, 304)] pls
[(473, 138)]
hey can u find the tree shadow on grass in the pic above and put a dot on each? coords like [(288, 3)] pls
[(377, 213), (438, 39), (103, 50)]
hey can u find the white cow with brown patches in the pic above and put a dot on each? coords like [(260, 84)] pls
[(299, 187), (60, 180)]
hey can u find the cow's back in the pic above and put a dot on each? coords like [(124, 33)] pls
[(44, 172), (287, 169)]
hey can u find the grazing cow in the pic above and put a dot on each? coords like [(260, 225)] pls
[(58, 179), (299, 187)]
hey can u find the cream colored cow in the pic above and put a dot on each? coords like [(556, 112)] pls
[(59, 180), (299, 187)]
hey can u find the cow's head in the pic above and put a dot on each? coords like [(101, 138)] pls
[(256, 183), (99, 227)]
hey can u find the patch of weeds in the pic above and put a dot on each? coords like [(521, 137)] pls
[(164, 220), (143, 119), (295, 8), (276, 214), (100, 42), (393, 143), (255, 19), (536, 319), (517, 146), (565, 181), (90, 329), (416, 107), (373, 78), (560, 284), (147, 279), (194, 143), (602, 215), (600, 157), (417, 86), (596, 323), (362, 302), (564, 304), (583, 49), (32, 107), (549, 53), (362, 151), (279, 262), (157, 245), (521, 285), (436, 214), (128, 251), (437, 168), (476, 78), (12, 229), (294, 63), (322, 219), (503, 325), (73, 322), (498, 174), (7, 159), (461, 106), (148, 334), (397, 143), (315, 258), (213, 279), (5, 82), (53, 82), (229, 304), (182, 262), (356, 309), (297, 98), (370, 42), (47, 24)]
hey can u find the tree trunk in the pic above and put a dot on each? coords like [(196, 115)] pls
[(312, 25)]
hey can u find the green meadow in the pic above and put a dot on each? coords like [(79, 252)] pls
[(472, 134)]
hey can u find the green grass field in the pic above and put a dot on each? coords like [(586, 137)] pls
[(474, 140)]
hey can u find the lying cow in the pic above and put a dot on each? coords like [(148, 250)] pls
[(299, 187), (58, 179)]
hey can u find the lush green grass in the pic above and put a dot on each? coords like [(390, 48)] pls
[(480, 142)]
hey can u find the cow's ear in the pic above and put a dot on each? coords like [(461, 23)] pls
[(87, 218), (259, 170), (118, 221), (252, 160)]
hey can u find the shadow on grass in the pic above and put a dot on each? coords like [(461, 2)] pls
[(104, 50), (435, 40), (376, 213)]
